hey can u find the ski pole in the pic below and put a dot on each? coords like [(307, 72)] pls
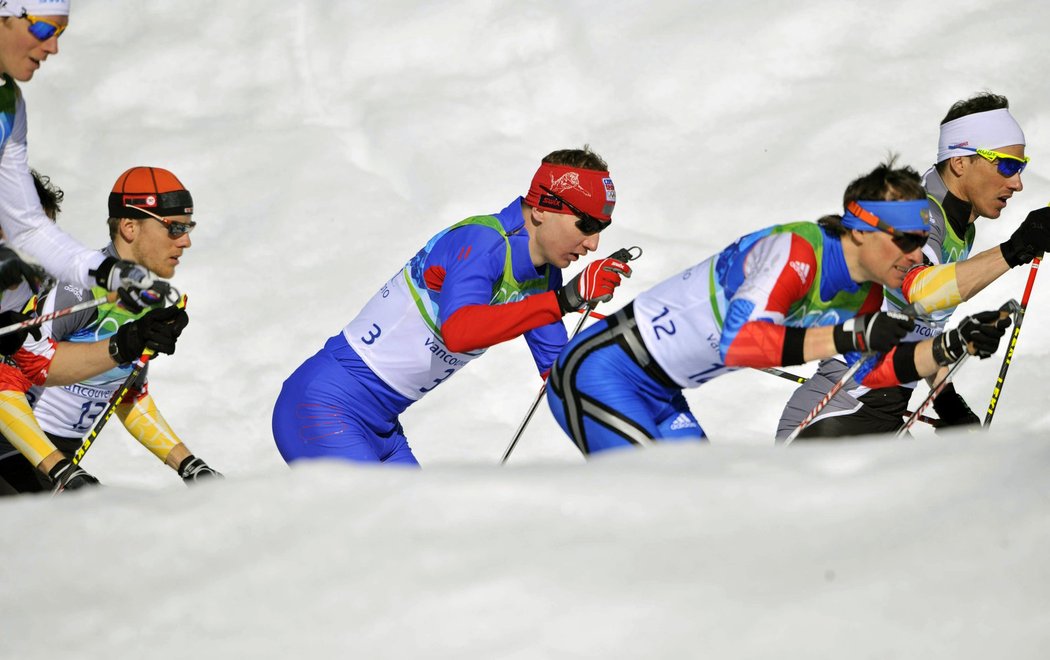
[(937, 389), (623, 254), (795, 378), (1005, 311), (114, 400), (44, 318), (828, 397), (1008, 358)]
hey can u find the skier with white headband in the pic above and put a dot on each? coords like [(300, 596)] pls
[(483, 281), (783, 295), (980, 157), (29, 33)]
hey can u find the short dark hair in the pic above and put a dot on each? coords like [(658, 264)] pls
[(581, 158), (982, 102), (885, 183), (50, 195)]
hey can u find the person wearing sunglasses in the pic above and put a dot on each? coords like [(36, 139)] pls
[(483, 281), (29, 35), (783, 295), (84, 357), (980, 159)]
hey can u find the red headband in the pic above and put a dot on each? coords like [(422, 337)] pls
[(591, 191)]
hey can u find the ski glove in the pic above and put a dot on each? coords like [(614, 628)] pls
[(13, 270), (1029, 240), (952, 409), (880, 331), (978, 335), (12, 341), (193, 469), (157, 330), (133, 283), (66, 476), (594, 284)]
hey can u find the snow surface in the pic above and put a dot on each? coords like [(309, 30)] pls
[(325, 142)]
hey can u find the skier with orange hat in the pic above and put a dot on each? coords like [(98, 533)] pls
[(83, 358)]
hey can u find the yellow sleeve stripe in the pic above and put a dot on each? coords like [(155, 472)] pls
[(935, 288)]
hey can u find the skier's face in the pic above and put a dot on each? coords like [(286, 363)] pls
[(558, 239), (152, 246), (21, 54), (980, 183), (883, 260)]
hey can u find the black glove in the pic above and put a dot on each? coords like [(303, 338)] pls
[(880, 331), (66, 476), (133, 283), (1029, 240), (980, 332), (193, 469), (952, 409), (158, 330), (13, 270), (12, 341)]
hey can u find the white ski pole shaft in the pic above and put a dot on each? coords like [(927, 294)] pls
[(539, 397), (937, 389), (827, 398), (44, 318)]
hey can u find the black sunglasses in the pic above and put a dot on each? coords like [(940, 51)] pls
[(908, 242), (587, 223)]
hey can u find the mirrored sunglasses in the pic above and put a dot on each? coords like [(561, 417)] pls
[(41, 28), (1005, 164), (588, 224), (175, 229)]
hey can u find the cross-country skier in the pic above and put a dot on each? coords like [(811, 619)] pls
[(480, 282), (29, 32), (784, 295), (84, 357), (980, 157)]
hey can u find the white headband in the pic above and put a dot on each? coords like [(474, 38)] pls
[(982, 130), (34, 7)]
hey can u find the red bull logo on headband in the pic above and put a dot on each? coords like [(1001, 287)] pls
[(581, 188)]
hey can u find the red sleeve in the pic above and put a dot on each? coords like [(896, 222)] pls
[(909, 279), (36, 364), (13, 380), (775, 279), (882, 374), (472, 327)]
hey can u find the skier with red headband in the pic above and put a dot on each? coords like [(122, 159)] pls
[(480, 282)]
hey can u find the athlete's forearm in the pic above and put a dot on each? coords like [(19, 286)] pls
[(946, 286), (77, 361), (473, 327)]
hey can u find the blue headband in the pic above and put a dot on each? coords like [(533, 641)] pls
[(907, 215)]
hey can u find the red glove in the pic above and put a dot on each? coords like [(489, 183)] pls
[(594, 284)]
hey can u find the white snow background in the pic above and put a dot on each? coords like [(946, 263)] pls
[(324, 142)]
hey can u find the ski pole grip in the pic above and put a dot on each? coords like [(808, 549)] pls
[(626, 254), (1009, 308)]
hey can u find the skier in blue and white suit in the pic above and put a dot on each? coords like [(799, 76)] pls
[(483, 281)]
